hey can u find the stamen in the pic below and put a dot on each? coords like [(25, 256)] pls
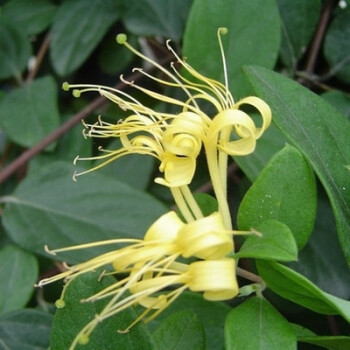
[(65, 86)]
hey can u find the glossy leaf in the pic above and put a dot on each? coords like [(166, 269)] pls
[(211, 314), (27, 329), (243, 44), (29, 113), (31, 16), (15, 51), (61, 214), (18, 273), (322, 260), (324, 141), (284, 191), (267, 146), (70, 319), (156, 17), (275, 243), (299, 20), (73, 40), (256, 324), (328, 342), (293, 286), (182, 330), (337, 45)]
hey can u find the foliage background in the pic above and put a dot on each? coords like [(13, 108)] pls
[(44, 43)]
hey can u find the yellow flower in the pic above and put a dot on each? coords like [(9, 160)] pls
[(176, 139), (214, 278), (151, 266)]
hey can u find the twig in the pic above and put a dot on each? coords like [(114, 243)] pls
[(317, 40), (97, 103), (39, 58)]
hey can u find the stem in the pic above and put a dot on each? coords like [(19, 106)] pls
[(191, 202), (249, 275), (317, 40), (97, 103)]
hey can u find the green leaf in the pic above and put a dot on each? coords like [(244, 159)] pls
[(340, 100), (181, 330), (156, 17), (15, 51), (268, 145), (73, 40), (322, 260), (31, 16), (29, 113), (211, 314), (243, 44), (276, 243), (18, 273), (70, 319), (284, 191), (258, 325), (337, 45), (299, 20), (324, 141), (127, 169), (297, 288), (25, 330), (65, 213), (328, 342)]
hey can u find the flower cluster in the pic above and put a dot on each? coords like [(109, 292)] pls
[(155, 272)]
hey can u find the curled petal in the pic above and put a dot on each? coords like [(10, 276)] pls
[(178, 171), (205, 238), (239, 124), (165, 228), (216, 278), (263, 109)]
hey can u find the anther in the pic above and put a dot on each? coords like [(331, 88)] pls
[(75, 160), (76, 93), (121, 38), (47, 250), (65, 86)]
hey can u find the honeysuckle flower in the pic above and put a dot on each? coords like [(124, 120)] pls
[(214, 278), (151, 266), (176, 139)]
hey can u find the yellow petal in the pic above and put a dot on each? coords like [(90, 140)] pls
[(216, 278), (205, 238)]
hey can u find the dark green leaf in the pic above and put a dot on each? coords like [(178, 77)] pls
[(15, 51), (256, 324), (31, 16), (18, 273), (70, 319), (284, 191), (25, 330), (268, 145), (182, 330), (328, 342), (297, 288), (65, 213), (29, 113), (156, 17), (337, 45), (211, 314), (322, 260), (243, 44), (319, 132), (73, 40), (299, 19), (276, 243), (340, 100)]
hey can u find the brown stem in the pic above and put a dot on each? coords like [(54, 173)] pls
[(97, 103), (317, 40), (39, 58), (250, 276)]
